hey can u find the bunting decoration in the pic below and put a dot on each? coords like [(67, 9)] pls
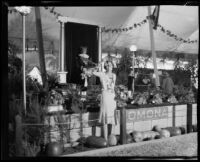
[(51, 10), (154, 17), (12, 11), (119, 30), (170, 34)]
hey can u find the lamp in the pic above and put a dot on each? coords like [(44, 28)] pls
[(133, 48), (24, 10)]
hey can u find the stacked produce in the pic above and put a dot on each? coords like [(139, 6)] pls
[(55, 98), (121, 95)]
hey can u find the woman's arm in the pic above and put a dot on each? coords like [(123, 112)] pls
[(114, 79)]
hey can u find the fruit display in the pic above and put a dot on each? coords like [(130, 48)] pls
[(172, 99), (97, 142), (121, 95), (112, 140), (55, 98), (140, 99)]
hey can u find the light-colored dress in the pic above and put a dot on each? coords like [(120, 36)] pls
[(107, 113)]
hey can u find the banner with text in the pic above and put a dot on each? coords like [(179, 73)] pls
[(146, 113)]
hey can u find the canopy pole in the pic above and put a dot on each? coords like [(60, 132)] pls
[(60, 41), (62, 47), (153, 48), (41, 47), (24, 66), (99, 46), (62, 74)]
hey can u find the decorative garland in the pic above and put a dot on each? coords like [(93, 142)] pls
[(51, 9), (119, 30), (170, 34), (12, 10)]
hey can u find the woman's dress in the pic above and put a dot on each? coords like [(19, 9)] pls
[(107, 113)]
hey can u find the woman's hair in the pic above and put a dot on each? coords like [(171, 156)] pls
[(106, 64), (82, 49)]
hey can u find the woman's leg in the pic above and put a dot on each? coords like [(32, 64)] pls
[(109, 129), (104, 131), (93, 130)]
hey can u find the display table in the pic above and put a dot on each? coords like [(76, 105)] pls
[(131, 117)]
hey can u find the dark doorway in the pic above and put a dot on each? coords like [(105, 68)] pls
[(77, 35)]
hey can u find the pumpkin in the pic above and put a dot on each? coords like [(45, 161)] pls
[(164, 133), (174, 131), (156, 128), (82, 140), (54, 149), (183, 129), (112, 140), (129, 138), (94, 141), (118, 138), (157, 136), (137, 136)]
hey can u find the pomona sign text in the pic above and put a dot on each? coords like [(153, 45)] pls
[(146, 113)]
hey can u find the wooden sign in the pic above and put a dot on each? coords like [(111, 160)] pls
[(146, 113)]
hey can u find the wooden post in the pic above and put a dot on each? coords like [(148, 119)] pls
[(189, 118), (123, 126), (40, 47), (153, 49), (18, 135), (173, 116)]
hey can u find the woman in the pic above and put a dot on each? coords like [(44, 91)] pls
[(108, 104)]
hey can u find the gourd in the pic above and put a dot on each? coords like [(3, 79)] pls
[(149, 135), (137, 136), (94, 141), (54, 149), (183, 129), (174, 131), (156, 128), (112, 140), (164, 133), (129, 138)]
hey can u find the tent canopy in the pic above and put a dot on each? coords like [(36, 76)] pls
[(180, 20)]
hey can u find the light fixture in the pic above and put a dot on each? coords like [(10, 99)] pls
[(133, 48), (24, 10)]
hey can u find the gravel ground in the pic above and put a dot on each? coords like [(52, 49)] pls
[(179, 146)]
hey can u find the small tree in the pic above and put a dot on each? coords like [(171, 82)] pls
[(124, 67)]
